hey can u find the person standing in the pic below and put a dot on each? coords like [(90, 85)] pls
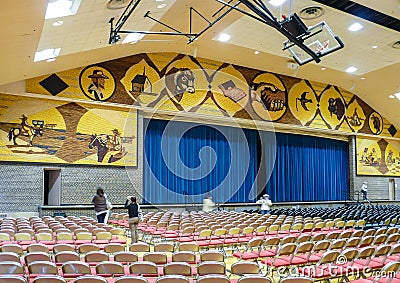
[(134, 212), (100, 205), (364, 191), (208, 204), (266, 204)]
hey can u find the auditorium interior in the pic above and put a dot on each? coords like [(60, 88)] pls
[(200, 111)]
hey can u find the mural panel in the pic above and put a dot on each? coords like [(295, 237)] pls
[(378, 157), (66, 132), (178, 82)]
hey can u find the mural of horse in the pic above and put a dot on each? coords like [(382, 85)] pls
[(100, 141), (25, 130)]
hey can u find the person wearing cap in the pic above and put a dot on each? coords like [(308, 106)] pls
[(266, 204), (96, 88), (115, 142), (364, 191)]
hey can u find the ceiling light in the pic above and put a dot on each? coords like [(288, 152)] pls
[(133, 38), (392, 96), (375, 46), (58, 23), (355, 27), (256, 52), (351, 69), (46, 54), (362, 78), (223, 37), (61, 8), (323, 68), (397, 95), (161, 6), (276, 2)]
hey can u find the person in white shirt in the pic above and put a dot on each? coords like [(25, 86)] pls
[(208, 204), (266, 204), (364, 191)]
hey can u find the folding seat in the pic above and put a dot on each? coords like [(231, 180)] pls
[(204, 238), (131, 279), (389, 274), (379, 239), (319, 249), (62, 257), (65, 238), (271, 244), (369, 232), (38, 268), (83, 238), (184, 256), (23, 239), (102, 238), (93, 258), (173, 279), (177, 268), (90, 279), (212, 255), (12, 279), (393, 238), (345, 234), (156, 257), (332, 235), (358, 233), (36, 256), (143, 268), (164, 247), (37, 247), (118, 235), (378, 258), (110, 269), (13, 248), (366, 241), (394, 254), (251, 251), (63, 248), (88, 247), (244, 268), (322, 270), (213, 279), (283, 256), (74, 269), (139, 247), (11, 268), (125, 257), (288, 239), (211, 267), (301, 255), (113, 248), (352, 242), (45, 238)]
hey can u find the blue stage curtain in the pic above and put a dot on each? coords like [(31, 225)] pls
[(308, 169), (183, 161)]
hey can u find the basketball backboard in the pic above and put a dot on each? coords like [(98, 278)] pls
[(319, 39)]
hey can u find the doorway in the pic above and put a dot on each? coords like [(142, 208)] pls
[(392, 189), (51, 186)]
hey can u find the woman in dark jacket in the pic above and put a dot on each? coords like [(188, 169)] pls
[(133, 211), (100, 205)]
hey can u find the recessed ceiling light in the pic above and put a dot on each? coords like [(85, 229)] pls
[(392, 96), (276, 2), (375, 46), (256, 52), (46, 54), (323, 68), (362, 78), (161, 5), (58, 23), (133, 38), (351, 69), (355, 27), (223, 37), (61, 8)]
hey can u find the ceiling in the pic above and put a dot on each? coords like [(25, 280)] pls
[(83, 39)]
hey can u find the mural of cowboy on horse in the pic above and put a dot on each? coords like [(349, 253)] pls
[(24, 129)]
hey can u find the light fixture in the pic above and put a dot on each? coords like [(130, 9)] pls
[(58, 23), (61, 8), (392, 96), (276, 2), (256, 52), (323, 68), (375, 46), (224, 37), (161, 5), (133, 38), (46, 54), (351, 69), (355, 27), (397, 95), (362, 78)]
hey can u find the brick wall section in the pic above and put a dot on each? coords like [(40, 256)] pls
[(378, 186), (21, 185)]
